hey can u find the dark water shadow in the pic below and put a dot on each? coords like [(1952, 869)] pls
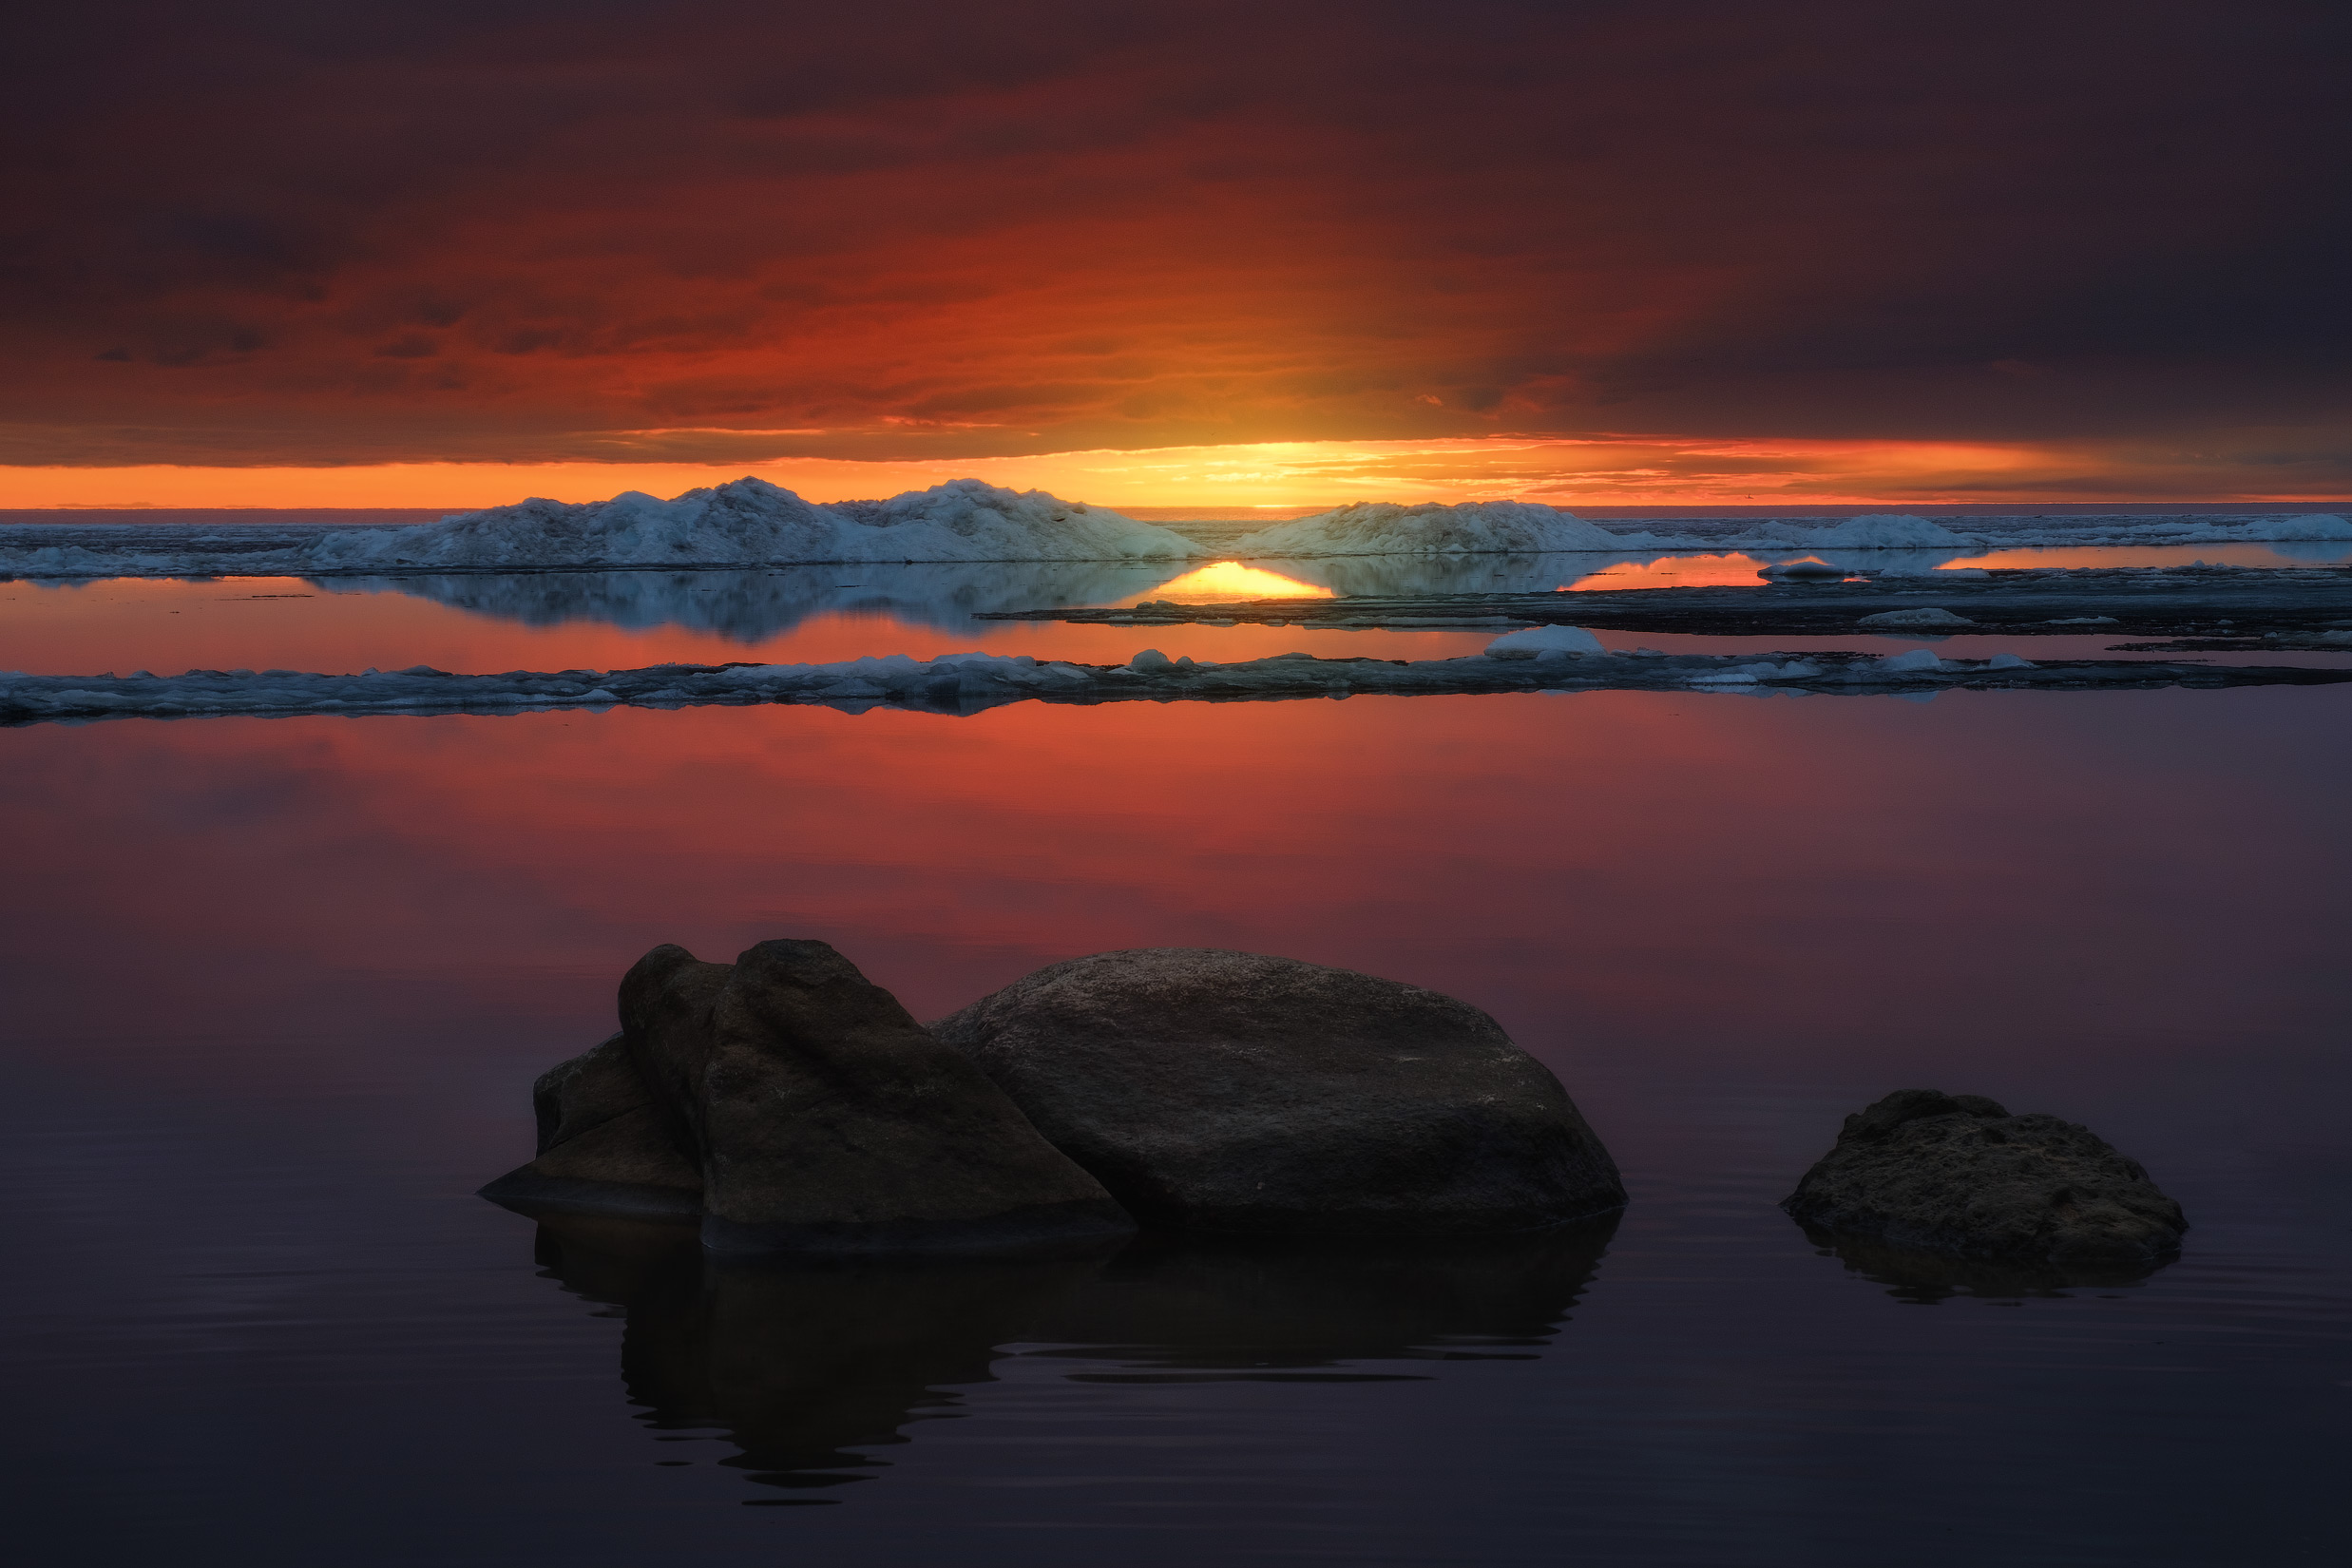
[(803, 1365), (796, 1364), (1925, 1278), (1209, 1310)]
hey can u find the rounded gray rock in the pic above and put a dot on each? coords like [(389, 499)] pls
[(1236, 1092), (1958, 1175)]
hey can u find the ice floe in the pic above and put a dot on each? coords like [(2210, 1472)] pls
[(1933, 620), (970, 682), (1544, 643)]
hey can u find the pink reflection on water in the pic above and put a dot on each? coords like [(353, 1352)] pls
[(1729, 883)]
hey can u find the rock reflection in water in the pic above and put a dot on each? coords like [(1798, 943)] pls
[(803, 1365), (1926, 1278), (798, 1363), (752, 606), (1300, 1310)]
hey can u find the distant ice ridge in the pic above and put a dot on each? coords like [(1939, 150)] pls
[(751, 521), (1471, 527), (1521, 527), (1904, 531), (745, 523)]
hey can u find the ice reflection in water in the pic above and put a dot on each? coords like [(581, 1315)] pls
[(616, 620), (752, 606)]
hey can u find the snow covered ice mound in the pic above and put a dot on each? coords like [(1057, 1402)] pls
[(1885, 531), (1471, 527), (972, 520), (750, 522), (2310, 525)]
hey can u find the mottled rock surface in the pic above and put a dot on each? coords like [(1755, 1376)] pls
[(801, 1109), (1236, 1092), (1957, 1174)]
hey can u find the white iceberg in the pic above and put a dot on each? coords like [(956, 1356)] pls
[(1917, 659), (1470, 528)]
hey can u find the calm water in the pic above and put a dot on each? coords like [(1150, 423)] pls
[(277, 991)]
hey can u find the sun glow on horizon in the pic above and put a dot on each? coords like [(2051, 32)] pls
[(1242, 479)]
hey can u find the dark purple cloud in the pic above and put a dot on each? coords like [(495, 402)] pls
[(270, 232)]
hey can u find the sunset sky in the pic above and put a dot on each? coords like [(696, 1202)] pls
[(267, 253)]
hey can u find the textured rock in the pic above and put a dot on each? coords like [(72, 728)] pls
[(809, 1109), (1957, 1174), (1235, 1092)]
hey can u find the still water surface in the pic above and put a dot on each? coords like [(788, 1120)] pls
[(277, 989)]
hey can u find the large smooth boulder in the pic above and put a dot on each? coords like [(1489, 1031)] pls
[(1957, 1174), (1236, 1092), (804, 1110)]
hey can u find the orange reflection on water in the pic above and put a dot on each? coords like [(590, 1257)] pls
[(1673, 571), (1223, 581)]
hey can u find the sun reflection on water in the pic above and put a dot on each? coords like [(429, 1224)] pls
[(1228, 580)]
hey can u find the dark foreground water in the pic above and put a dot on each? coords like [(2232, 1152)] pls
[(275, 991)]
